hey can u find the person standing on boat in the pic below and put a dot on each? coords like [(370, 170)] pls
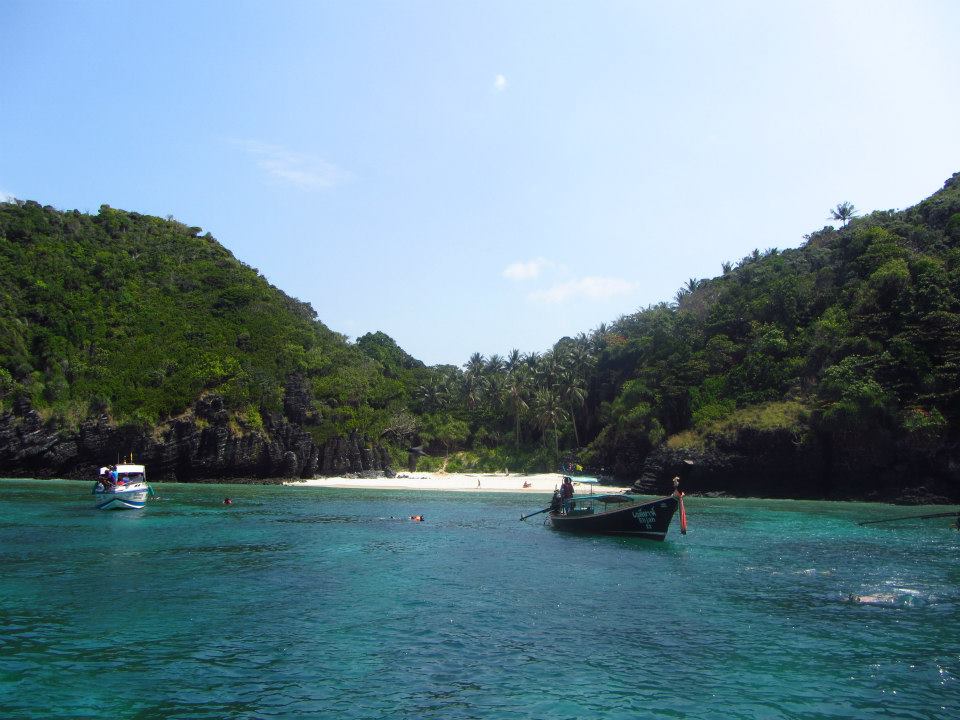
[(566, 494)]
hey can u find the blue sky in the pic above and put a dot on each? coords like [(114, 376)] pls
[(481, 176)]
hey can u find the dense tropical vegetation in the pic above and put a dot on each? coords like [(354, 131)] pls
[(853, 338), (138, 317)]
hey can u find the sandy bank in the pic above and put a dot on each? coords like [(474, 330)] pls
[(459, 482)]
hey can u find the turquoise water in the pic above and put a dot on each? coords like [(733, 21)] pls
[(306, 602)]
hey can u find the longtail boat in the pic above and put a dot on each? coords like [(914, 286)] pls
[(616, 515)]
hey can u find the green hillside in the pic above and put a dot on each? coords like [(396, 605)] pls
[(848, 347), (837, 363), (855, 335), (139, 316)]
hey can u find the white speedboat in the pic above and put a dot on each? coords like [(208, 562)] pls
[(122, 487)]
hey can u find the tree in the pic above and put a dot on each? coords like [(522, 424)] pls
[(574, 394), (517, 389), (433, 395), (549, 413), (474, 380), (513, 361), (843, 212), (495, 365)]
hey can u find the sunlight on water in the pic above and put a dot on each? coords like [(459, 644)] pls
[(301, 602)]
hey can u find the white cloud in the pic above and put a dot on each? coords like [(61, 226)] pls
[(500, 83), (6, 197), (588, 288), (301, 170), (526, 270)]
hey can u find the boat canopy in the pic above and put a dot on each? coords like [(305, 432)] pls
[(127, 468), (610, 499), (584, 479)]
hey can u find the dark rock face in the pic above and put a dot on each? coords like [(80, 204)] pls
[(297, 405), (778, 464), (203, 448), (353, 455)]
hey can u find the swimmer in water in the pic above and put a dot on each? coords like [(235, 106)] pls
[(227, 501), (879, 599)]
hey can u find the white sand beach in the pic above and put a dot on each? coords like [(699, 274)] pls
[(458, 482)]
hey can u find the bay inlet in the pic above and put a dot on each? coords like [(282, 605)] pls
[(319, 602)]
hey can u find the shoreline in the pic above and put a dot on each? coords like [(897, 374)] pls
[(458, 482), (494, 482)]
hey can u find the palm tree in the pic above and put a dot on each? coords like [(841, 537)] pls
[(844, 212), (494, 365), (432, 395), (476, 364), (573, 394), (517, 388), (494, 389), (598, 338), (474, 381), (513, 361), (549, 413), (582, 360), (548, 370)]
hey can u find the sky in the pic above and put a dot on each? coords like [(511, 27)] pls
[(481, 176)]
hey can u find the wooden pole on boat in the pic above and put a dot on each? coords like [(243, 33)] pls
[(524, 517), (683, 510), (913, 517)]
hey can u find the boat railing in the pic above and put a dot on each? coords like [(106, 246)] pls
[(591, 504)]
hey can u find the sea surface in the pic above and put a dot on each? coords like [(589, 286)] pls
[(298, 602)]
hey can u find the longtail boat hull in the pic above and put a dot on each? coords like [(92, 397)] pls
[(649, 520)]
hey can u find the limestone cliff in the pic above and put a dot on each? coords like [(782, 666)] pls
[(201, 446), (779, 464)]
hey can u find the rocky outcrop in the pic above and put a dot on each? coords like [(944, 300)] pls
[(779, 464), (297, 401), (354, 455), (201, 446)]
